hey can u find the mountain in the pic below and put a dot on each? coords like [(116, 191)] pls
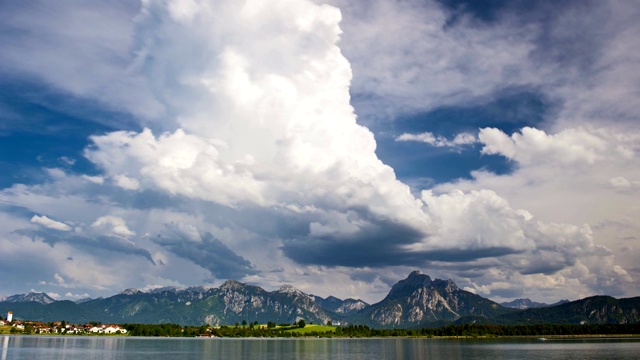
[(560, 302), (418, 300), (523, 304), (230, 303), (591, 310), (41, 298), (338, 306)]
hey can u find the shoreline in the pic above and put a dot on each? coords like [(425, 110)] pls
[(483, 337)]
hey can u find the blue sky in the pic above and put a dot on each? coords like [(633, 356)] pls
[(186, 142)]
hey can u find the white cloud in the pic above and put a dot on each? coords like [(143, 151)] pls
[(623, 184), (112, 225), (439, 141), (70, 295), (126, 182), (567, 177), (67, 160), (94, 179), (263, 125), (475, 221), (49, 223), (53, 295), (534, 146)]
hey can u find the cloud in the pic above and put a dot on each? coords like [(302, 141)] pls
[(70, 295), (65, 160), (567, 178), (535, 146), (60, 44), (209, 253), (375, 243), (114, 225), (623, 184), (276, 132), (569, 166), (439, 141), (471, 222), (49, 223), (248, 153), (126, 182), (406, 69), (88, 243), (94, 179)]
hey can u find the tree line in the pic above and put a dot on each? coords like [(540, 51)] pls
[(252, 330), (481, 330), (466, 330)]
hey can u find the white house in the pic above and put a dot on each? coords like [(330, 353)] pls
[(112, 329), (107, 329)]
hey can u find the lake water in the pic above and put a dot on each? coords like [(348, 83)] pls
[(79, 347)]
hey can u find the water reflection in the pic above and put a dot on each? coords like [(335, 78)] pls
[(85, 347), (5, 347)]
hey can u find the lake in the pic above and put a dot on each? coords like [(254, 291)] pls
[(90, 347)]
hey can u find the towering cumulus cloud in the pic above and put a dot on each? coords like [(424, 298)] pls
[(259, 96)]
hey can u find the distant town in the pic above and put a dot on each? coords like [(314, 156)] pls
[(59, 327)]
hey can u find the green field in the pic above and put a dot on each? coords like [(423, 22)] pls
[(311, 328), (5, 329)]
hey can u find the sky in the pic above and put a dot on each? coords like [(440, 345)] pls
[(335, 146)]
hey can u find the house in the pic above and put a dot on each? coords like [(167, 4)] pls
[(2, 323), (70, 329), (112, 329), (42, 330)]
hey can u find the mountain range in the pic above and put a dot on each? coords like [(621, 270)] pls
[(417, 301), (523, 304)]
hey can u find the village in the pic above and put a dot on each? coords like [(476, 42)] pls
[(60, 327)]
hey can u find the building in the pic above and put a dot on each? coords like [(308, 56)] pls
[(9, 316)]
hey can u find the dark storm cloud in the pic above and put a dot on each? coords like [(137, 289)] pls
[(376, 244), (92, 245), (380, 243), (207, 252), (465, 255)]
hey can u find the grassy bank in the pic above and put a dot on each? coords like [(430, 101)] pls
[(313, 328)]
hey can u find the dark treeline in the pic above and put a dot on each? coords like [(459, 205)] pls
[(222, 331), (467, 330), (475, 330)]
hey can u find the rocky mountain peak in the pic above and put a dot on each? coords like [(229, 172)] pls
[(448, 285), (288, 289), (414, 281), (196, 289), (333, 299), (41, 298), (130, 291), (163, 289), (522, 304), (231, 285)]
